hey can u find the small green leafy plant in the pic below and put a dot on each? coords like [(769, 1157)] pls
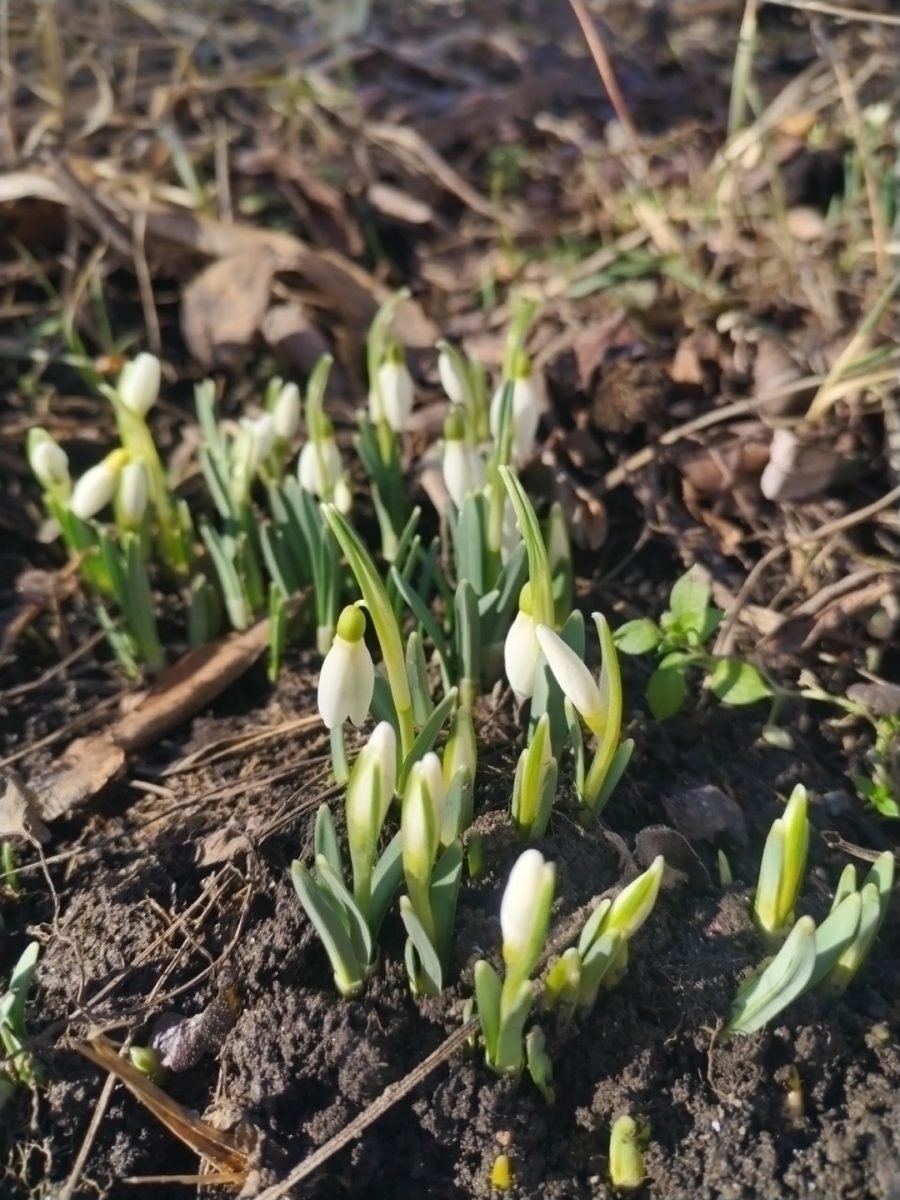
[(679, 640)]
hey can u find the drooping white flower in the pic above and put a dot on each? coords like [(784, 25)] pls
[(347, 677), (525, 910), (96, 487), (286, 412), (575, 680), (521, 650), (448, 373), (320, 468), (133, 494), (47, 459), (525, 414), (139, 383), (392, 399), (343, 495), (262, 431), (463, 466)]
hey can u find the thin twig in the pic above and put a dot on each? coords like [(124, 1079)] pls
[(607, 74), (725, 640)]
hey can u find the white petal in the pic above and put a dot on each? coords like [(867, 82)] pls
[(133, 491), (396, 386), (363, 670), (286, 413), (336, 683), (573, 677), (517, 908), (463, 470), (139, 383), (525, 416), (308, 469), (93, 491), (263, 430), (433, 778), (50, 463), (450, 380), (520, 655)]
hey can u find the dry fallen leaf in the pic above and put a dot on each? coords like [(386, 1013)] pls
[(19, 810), (188, 686), (223, 307), (214, 1146)]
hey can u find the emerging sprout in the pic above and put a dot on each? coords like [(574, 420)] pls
[(534, 787), (347, 678), (626, 1157), (428, 911), (600, 958), (503, 1008), (782, 867)]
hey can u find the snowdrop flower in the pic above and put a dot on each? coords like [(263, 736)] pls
[(463, 466), (448, 373), (575, 680), (319, 467), (139, 384), (525, 911), (47, 459), (343, 495), (262, 431), (347, 678), (521, 650), (96, 487), (132, 494), (392, 399), (525, 411), (286, 413)]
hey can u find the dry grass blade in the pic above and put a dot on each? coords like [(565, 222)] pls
[(838, 10), (213, 1146), (825, 397)]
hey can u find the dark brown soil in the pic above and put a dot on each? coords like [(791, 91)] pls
[(300, 1063)]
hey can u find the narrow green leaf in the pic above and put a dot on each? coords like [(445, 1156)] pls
[(357, 926), (785, 978), (325, 841), (334, 937), (424, 966), (835, 934), (427, 736), (385, 880), (487, 1004)]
